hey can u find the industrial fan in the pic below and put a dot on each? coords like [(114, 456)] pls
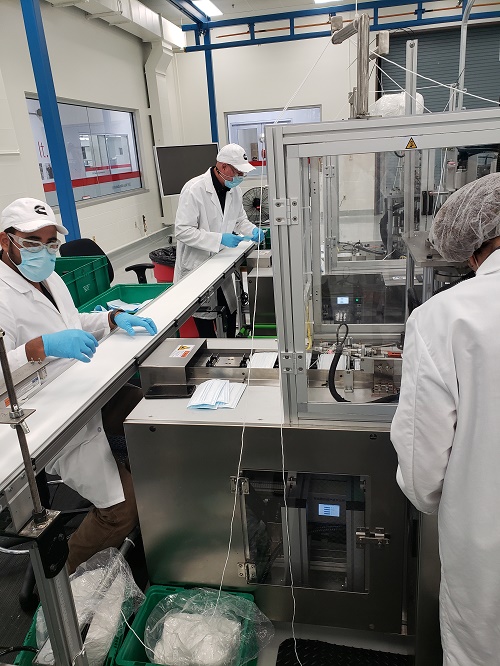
[(255, 203)]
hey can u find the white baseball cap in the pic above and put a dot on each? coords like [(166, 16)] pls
[(29, 215), (235, 156)]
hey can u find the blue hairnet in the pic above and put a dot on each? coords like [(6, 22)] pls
[(469, 218)]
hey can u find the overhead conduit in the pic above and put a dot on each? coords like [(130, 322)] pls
[(131, 16)]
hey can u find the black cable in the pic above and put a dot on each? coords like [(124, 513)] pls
[(333, 366), (17, 648), (331, 373)]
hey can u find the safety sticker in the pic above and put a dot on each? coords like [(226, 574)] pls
[(182, 351), (411, 144)]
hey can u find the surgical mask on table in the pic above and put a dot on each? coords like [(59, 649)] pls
[(36, 266)]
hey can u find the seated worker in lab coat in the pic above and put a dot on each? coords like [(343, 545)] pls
[(446, 430), (209, 211), (40, 320)]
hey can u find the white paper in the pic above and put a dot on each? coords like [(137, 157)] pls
[(263, 360)]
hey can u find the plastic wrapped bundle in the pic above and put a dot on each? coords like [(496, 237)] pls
[(197, 628), (394, 105), (103, 588)]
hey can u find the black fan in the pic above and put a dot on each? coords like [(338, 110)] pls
[(255, 203)]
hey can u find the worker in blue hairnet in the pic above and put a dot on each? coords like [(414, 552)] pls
[(447, 424), (40, 321), (210, 209)]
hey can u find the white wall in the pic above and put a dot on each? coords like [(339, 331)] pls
[(91, 62), (264, 77)]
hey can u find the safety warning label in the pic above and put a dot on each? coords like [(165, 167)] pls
[(182, 351), (411, 144)]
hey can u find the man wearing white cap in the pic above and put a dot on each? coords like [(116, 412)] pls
[(210, 216), (40, 320)]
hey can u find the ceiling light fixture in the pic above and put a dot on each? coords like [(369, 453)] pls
[(207, 7)]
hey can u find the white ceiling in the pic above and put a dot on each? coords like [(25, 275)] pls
[(234, 8)]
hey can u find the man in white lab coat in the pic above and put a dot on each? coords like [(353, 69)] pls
[(210, 216), (40, 320), (446, 430)]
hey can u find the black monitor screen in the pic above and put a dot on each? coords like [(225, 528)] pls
[(178, 164)]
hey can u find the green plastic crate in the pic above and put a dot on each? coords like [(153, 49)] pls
[(132, 652), (25, 658), (85, 277), (130, 293)]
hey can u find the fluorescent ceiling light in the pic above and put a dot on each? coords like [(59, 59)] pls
[(207, 7)]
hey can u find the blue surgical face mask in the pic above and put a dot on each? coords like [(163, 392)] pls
[(237, 180), (36, 266)]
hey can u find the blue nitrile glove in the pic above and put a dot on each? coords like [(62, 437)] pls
[(258, 235), (71, 343), (127, 321), (230, 240)]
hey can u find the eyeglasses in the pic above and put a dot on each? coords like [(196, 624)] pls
[(236, 172), (35, 246)]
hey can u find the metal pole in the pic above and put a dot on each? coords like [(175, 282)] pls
[(211, 89), (60, 615), (461, 59), (363, 66), (39, 513), (50, 113), (410, 162)]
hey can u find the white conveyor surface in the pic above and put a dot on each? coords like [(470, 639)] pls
[(64, 399)]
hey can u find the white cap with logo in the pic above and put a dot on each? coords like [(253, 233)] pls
[(29, 215), (235, 155)]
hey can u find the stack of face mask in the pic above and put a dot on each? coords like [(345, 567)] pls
[(216, 394)]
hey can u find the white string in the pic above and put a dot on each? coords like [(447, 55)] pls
[(304, 80), (402, 89), (128, 625), (443, 85), (243, 429)]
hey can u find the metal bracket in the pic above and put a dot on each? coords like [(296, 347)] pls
[(293, 363), (9, 418), (366, 536), (244, 486), (329, 171), (207, 295), (248, 571), (286, 211)]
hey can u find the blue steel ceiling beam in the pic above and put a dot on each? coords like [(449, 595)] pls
[(423, 17), (191, 11), (50, 114)]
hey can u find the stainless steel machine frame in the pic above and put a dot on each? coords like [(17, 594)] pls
[(296, 154)]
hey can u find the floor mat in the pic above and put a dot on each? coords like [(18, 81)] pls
[(319, 653)]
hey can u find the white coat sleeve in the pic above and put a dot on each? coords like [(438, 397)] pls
[(243, 226), (187, 222), (16, 354), (423, 427), (95, 323)]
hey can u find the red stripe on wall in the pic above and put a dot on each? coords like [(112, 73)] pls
[(95, 180)]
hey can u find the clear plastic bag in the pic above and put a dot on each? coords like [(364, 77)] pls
[(103, 588), (197, 628), (394, 105)]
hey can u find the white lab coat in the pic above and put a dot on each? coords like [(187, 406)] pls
[(199, 225), (446, 432), (86, 463)]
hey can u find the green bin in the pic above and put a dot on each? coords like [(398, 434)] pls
[(129, 293), (132, 652), (85, 277), (25, 658)]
